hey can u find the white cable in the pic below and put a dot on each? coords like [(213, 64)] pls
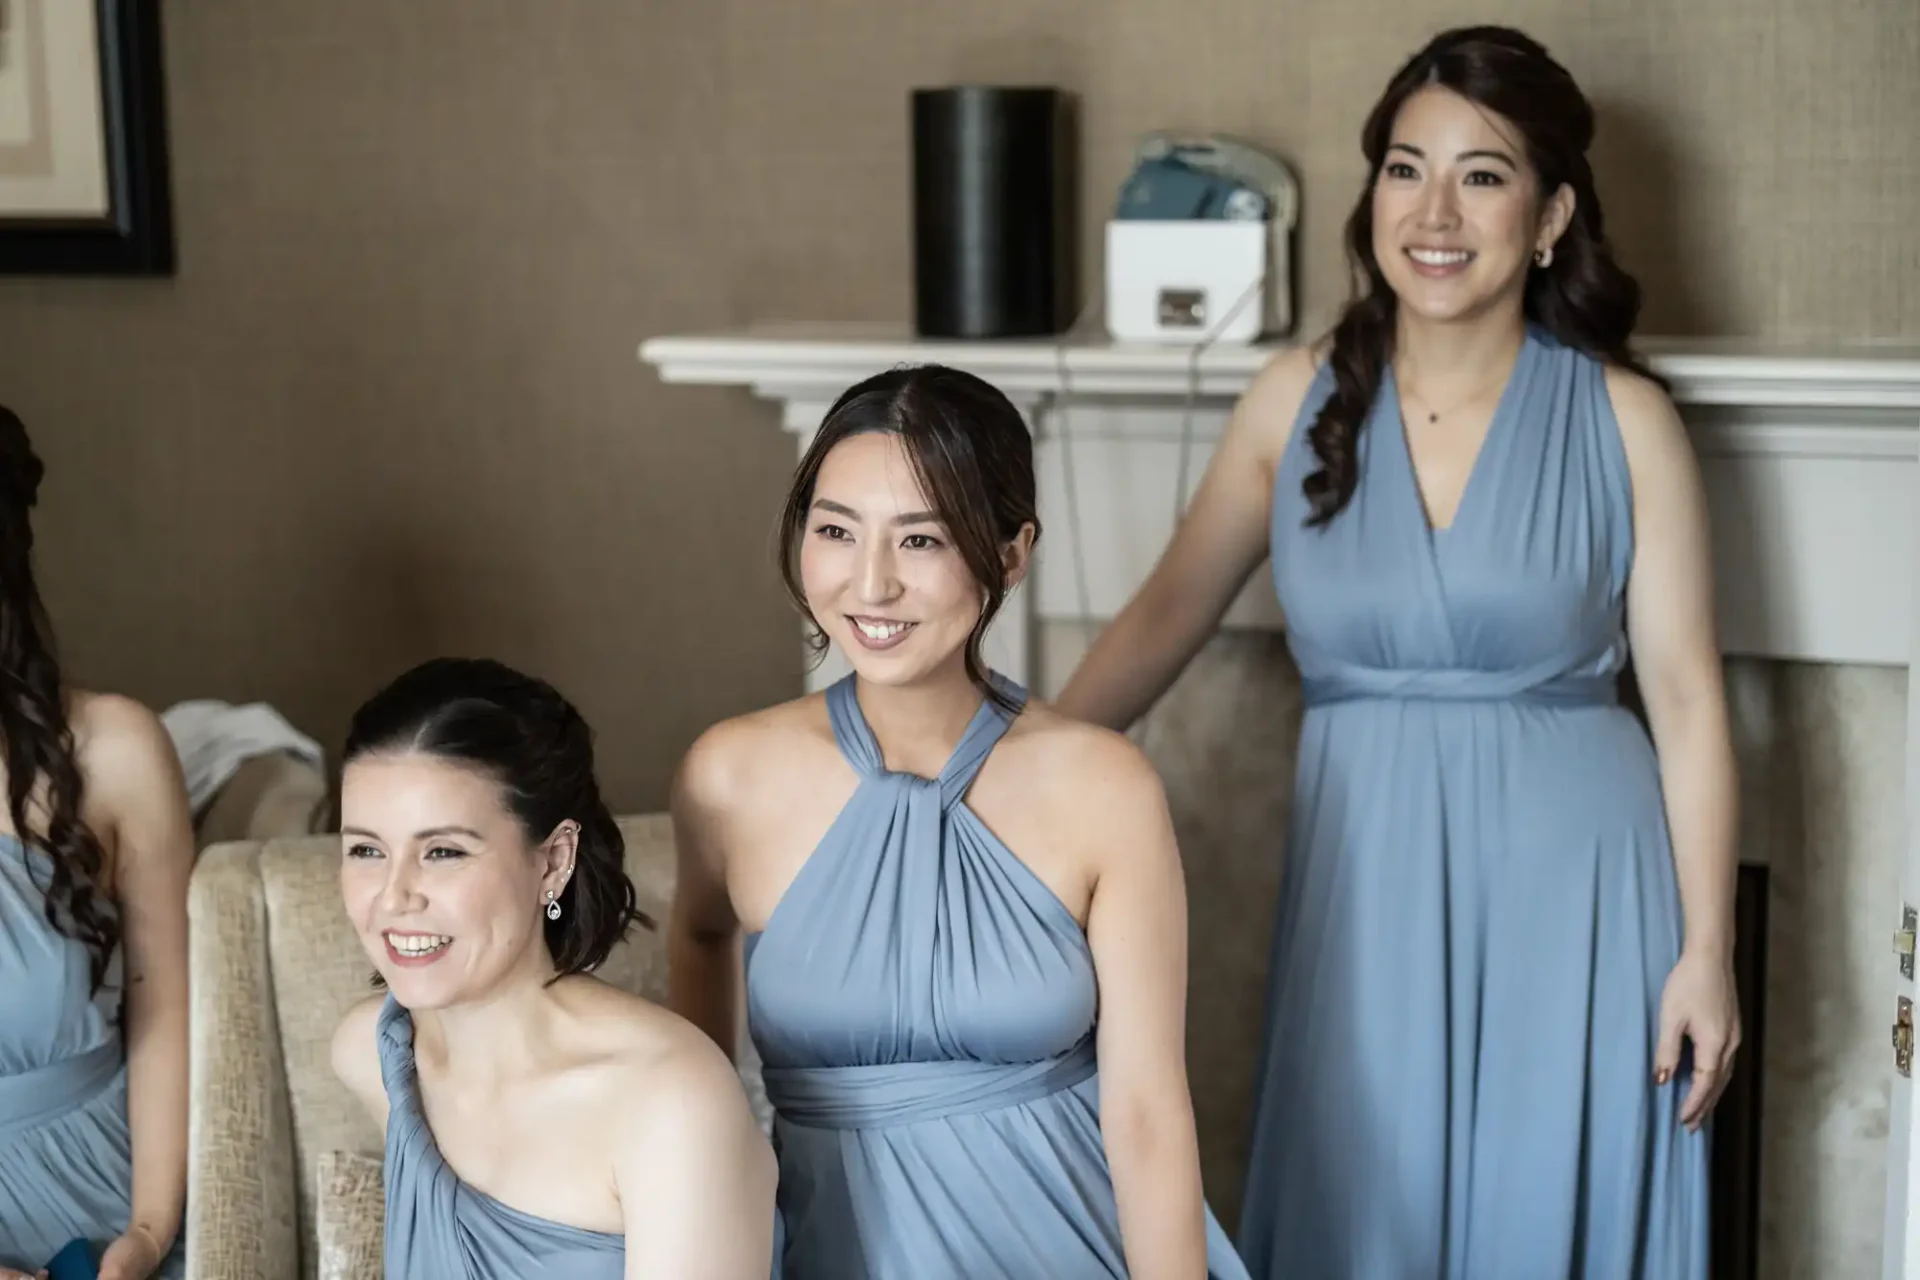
[(1082, 589), (1070, 473), (1251, 292)]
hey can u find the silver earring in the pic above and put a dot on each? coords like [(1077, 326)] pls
[(553, 907), (1543, 258)]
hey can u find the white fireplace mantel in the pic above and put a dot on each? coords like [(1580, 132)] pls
[(1811, 456)]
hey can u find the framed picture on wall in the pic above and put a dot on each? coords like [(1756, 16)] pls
[(83, 139)]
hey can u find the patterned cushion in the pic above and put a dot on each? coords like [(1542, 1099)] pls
[(350, 1217)]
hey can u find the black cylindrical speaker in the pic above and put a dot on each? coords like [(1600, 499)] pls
[(990, 215)]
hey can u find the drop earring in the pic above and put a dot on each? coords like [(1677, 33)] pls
[(553, 907)]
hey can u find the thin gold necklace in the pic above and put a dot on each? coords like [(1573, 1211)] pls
[(1433, 415)]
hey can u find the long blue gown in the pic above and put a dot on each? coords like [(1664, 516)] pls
[(438, 1227), (66, 1153), (1479, 907), (925, 1007)]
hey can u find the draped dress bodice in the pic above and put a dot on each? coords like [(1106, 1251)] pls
[(925, 1008), (66, 1165), (440, 1228), (1479, 904)]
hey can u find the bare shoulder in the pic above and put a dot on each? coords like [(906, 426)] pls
[(690, 1082), (121, 745), (1104, 775), (355, 1054), (656, 1068), (627, 1031), (733, 761), (684, 1143), (133, 792), (1270, 406), (1289, 371), (1651, 429)]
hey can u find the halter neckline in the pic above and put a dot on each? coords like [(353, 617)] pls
[(861, 748)]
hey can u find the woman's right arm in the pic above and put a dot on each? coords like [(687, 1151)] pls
[(703, 933), (1219, 543), (695, 1175)]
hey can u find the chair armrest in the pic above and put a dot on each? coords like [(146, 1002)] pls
[(242, 1216)]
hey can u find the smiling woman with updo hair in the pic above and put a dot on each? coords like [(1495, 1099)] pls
[(1500, 1001), (541, 1124)]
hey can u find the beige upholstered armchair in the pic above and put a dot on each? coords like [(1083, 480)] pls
[(275, 966)]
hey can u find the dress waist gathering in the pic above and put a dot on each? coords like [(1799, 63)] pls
[(883, 1095)]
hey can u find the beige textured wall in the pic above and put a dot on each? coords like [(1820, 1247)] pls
[(1755, 159), (390, 406)]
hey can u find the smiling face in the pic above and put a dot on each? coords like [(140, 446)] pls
[(440, 880), (880, 571), (1457, 210)]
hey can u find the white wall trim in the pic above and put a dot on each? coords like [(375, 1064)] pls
[(1811, 456), (816, 361)]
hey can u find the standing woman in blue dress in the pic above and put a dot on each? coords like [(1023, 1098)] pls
[(96, 846), (1500, 999), (965, 921)]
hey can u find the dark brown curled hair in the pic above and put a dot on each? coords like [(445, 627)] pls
[(520, 732), (972, 455), (34, 730), (1584, 298)]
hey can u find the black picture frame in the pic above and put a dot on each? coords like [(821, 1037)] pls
[(135, 237)]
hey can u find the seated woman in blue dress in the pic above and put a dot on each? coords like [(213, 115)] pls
[(964, 915), (96, 846), (539, 1121)]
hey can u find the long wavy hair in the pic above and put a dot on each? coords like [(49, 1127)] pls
[(1583, 297), (34, 731)]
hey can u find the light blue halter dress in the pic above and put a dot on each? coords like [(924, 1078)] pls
[(924, 1008), (438, 1227), (1479, 908), (66, 1154)]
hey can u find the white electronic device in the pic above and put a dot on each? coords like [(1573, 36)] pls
[(1222, 273)]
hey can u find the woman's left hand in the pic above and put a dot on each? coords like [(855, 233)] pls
[(1699, 1004), (134, 1256)]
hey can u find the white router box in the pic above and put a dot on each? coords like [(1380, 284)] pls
[(1183, 283)]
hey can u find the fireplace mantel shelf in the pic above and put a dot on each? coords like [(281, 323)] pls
[(795, 359), (1811, 457)]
